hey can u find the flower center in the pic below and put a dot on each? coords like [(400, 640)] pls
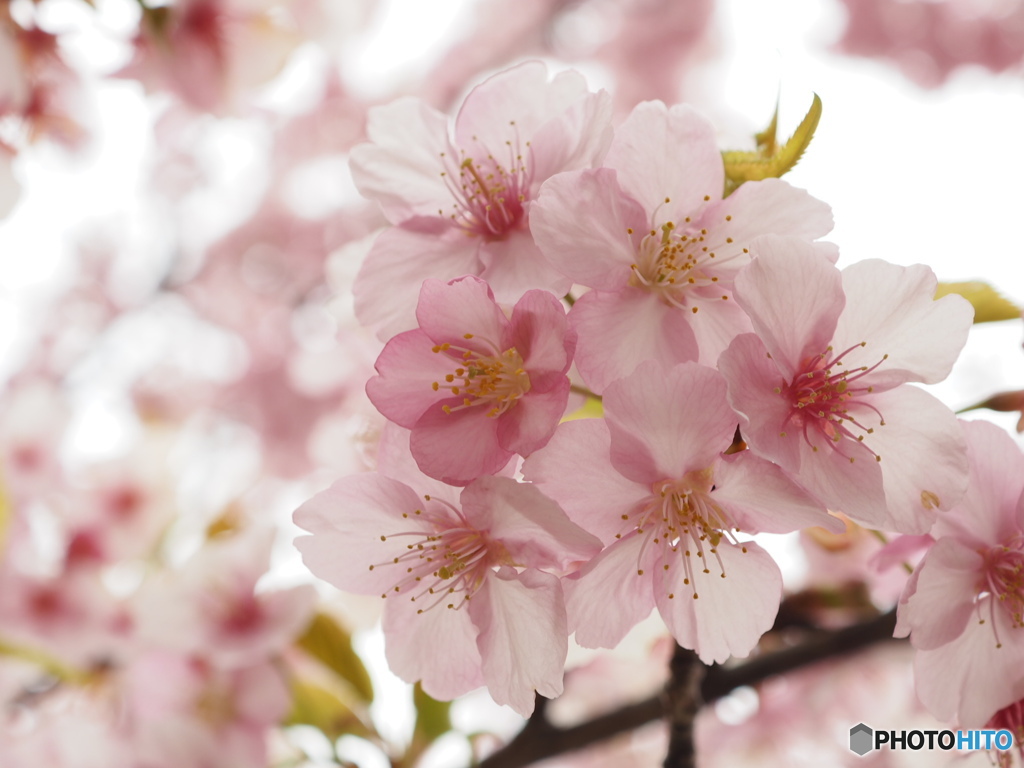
[(496, 380), (825, 397), (681, 517), (446, 561), (490, 193), (1004, 579), (677, 265)]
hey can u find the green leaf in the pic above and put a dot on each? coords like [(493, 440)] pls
[(326, 641), (432, 718), (988, 304), (770, 161), (592, 409), (316, 706)]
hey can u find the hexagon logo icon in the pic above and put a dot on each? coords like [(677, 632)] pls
[(861, 739)]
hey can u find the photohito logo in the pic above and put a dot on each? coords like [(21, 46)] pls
[(863, 739)]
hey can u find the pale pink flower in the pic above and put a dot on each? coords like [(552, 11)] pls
[(652, 235), (474, 386), (461, 202), (209, 52), (466, 601), (656, 44), (71, 615), (651, 480), (211, 605), (821, 385), (964, 605), (930, 40), (185, 711)]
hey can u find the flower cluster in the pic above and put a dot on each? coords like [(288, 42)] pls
[(747, 385)]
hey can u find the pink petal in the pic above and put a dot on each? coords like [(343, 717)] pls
[(531, 422), (407, 369), (577, 137), (666, 422), (609, 597), (759, 496), (387, 303), (531, 527), (350, 523), (515, 103), (753, 376), (793, 296), (618, 331), (523, 638), (514, 265), (575, 470), (894, 310), (716, 323), (261, 694), (943, 599), (667, 153), (730, 614), (969, 679), (539, 331), (447, 312), (401, 168), (987, 514), (769, 207), (437, 647), (580, 222), (395, 460), (923, 458), (853, 488), (459, 446)]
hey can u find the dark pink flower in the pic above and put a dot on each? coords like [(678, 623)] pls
[(474, 386)]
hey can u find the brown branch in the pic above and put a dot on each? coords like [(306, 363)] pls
[(682, 702), (538, 742)]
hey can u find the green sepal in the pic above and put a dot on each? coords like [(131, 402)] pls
[(769, 160), (989, 305)]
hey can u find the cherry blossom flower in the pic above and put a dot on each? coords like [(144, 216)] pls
[(821, 385), (208, 52), (930, 40), (466, 600), (186, 711), (964, 605), (461, 204), (211, 605), (474, 386), (652, 235), (1010, 718), (651, 480)]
